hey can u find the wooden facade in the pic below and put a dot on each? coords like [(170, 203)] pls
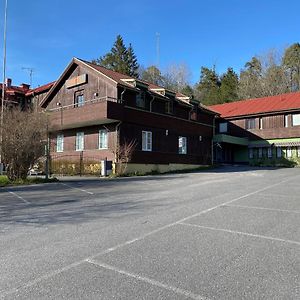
[(125, 108)]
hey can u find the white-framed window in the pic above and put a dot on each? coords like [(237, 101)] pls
[(298, 151), (79, 143), (278, 152), (103, 144), (286, 120), (60, 143), (146, 140), (250, 123), (296, 119), (223, 127), (251, 153), (260, 123), (289, 152), (140, 100), (260, 152), (182, 145), (79, 99), (270, 152)]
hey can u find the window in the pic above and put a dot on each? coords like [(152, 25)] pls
[(60, 143), (289, 152), (79, 99), (250, 123), (251, 153), (278, 152), (182, 147), (298, 151), (146, 140), (296, 119), (140, 100), (79, 143), (260, 123), (260, 152), (169, 107), (223, 127), (286, 121), (269, 152), (103, 139)]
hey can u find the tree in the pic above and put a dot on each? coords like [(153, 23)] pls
[(291, 61), (153, 75), (120, 59), (208, 88), (176, 77), (229, 86), (188, 91), (24, 140), (132, 62)]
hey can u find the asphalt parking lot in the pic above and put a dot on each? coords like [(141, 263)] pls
[(228, 233)]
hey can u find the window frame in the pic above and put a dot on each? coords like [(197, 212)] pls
[(298, 121), (224, 130), (60, 142), (286, 121), (103, 144), (146, 141), (182, 145), (289, 152), (278, 152), (79, 141), (140, 99), (78, 94), (250, 123)]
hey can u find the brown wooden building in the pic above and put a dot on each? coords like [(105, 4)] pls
[(93, 110), (262, 131)]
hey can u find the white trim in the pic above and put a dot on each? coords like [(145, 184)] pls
[(147, 141), (79, 142), (105, 143)]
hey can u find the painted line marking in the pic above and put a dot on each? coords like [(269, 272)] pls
[(149, 280), (75, 188), (242, 233), (265, 208), (50, 274), (19, 197)]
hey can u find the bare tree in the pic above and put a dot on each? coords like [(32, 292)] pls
[(123, 154), (24, 140)]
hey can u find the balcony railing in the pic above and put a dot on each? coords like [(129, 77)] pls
[(89, 102)]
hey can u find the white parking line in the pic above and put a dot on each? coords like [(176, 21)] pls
[(75, 188), (265, 208), (50, 274), (149, 280), (242, 233), (19, 197)]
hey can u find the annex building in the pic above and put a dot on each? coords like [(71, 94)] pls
[(262, 131)]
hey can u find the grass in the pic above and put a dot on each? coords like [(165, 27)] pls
[(4, 181)]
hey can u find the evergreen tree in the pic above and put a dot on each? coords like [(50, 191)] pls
[(120, 59), (291, 60), (132, 62), (208, 88), (188, 91), (229, 86)]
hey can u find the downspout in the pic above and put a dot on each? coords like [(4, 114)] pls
[(153, 98), (117, 143), (122, 95)]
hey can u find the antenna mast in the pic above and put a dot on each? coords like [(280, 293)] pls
[(157, 48)]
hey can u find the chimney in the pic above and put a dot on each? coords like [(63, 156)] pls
[(8, 82), (25, 86)]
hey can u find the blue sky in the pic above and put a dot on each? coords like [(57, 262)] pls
[(45, 35)]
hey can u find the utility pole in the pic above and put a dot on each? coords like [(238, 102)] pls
[(3, 85), (31, 71)]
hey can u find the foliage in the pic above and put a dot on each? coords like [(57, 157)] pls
[(229, 86), (4, 181), (24, 140), (291, 61), (153, 75), (120, 59)]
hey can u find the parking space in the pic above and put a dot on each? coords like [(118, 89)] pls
[(230, 233)]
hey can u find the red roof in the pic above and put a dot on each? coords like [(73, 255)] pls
[(277, 103), (12, 89), (40, 89)]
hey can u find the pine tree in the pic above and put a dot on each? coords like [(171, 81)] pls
[(208, 88), (229, 86), (132, 62), (291, 61), (120, 59)]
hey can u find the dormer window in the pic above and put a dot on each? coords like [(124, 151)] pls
[(169, 107), (140, 100)]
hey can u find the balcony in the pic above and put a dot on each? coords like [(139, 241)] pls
[(94, 112)]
